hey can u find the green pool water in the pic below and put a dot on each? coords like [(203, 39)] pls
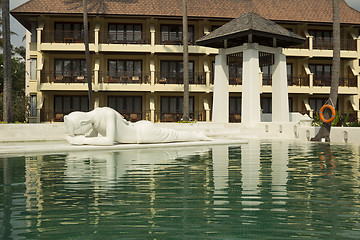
[(259, 190)]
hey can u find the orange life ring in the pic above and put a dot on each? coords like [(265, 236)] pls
[(321, 113)]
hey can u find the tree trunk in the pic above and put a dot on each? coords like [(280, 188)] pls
[(7, 96), (87, 55), (185, 64), (325, 129)]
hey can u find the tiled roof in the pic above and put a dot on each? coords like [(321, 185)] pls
[(278, 10), (262, 30)]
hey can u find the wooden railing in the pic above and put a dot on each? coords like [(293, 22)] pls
[(178, 78), (132, 77), (66, 37), (125, 38), (64, 77)]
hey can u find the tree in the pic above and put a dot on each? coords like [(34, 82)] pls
[(87, 55), (7, 88), (325, 129), (185, 64)]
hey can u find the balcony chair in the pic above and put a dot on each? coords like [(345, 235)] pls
[(133, 117)]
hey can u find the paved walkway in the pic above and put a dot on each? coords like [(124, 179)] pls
[(53, 147)]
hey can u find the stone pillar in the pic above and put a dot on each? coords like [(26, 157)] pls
[(220, 155), (221, 89), (250, 103), (280, 96)]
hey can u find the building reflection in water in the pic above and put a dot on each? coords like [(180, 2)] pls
[(259, 183)]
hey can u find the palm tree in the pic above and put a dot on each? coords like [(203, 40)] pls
[(324, 131), (7, 96), (185, 64), (87, 55)]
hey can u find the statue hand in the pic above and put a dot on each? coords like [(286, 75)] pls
[(76, 140)]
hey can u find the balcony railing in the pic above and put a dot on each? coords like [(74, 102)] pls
[(166, 38), (267, 79), (234, 117), (178, 78), (235, 79), (64, 77), (178, 116), (328, 44), (132, 77), (125, 38), (348, 81), (66, 36), (298, 81), (302, 46)]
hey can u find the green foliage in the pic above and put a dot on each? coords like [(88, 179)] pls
[(21, 105), (182, 121), (20, 102), (340, 121)]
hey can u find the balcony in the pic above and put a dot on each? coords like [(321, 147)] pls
[(325, 81), (124, 77), (302, 46), (327, 44), (348, 82), (300, 81), (125, 38), (234, 117), (235, 79), (66, 37), (178, 78), (64, 77), (178, 116), (267, 79), (175, 38)]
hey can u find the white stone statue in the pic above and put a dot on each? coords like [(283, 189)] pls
[(112, 128)]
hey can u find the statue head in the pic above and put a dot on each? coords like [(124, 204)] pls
[(77, 123)]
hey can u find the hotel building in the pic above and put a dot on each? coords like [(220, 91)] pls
[(136, 57)]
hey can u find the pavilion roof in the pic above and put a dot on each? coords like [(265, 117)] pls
[(262, 31)]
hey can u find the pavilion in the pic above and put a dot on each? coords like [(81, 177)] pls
[(255, 41)]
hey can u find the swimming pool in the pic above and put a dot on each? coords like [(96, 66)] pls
[(259, 190)]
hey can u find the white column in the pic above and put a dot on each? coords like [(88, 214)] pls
[(250, 104), (279, 168), (280, 96), (221, 89), (250, 175), (220, 156)]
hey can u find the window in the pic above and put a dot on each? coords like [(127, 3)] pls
[(126, 105), (33, 105), (289, 70), (172, 108), (125, 33), (33, 68), (68, 104), (322, 74), (175, 104), (235, 105), (322, 39), (235, 73), (33, 32), (317, 103), (326, 34), (173, 71), (235, 109), (266, 104), (124, 68), (70, 68), (69, 32), (267, 74), (173, 34)]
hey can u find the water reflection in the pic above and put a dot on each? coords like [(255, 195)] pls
[(258, 190)]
